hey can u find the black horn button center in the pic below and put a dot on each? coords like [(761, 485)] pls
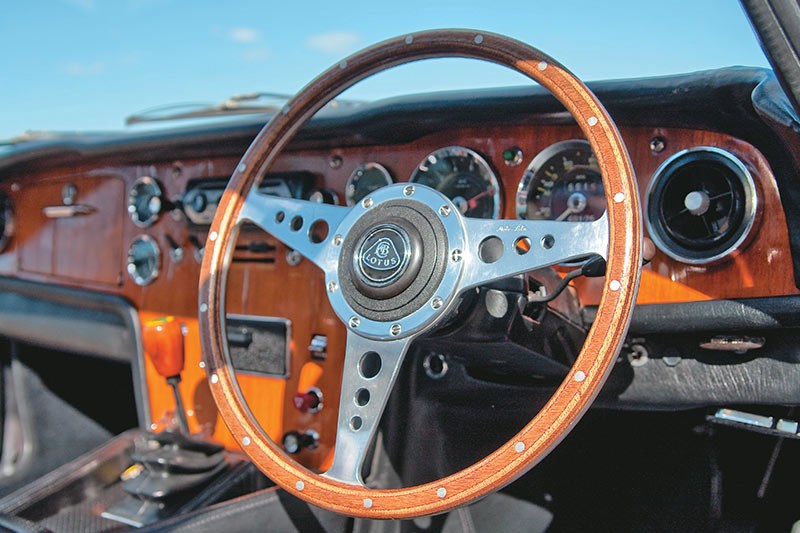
[(393, 260), (383, 256), (387, 259)]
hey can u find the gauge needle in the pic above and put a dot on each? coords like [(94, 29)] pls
[(473, 202), (567, 212)]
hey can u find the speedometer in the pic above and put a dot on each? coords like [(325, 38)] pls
[(563, 182), (463, 176)]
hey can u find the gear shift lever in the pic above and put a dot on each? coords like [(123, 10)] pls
[(163, 344), (170, 467)]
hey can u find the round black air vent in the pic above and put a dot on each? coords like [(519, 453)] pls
[(701, 205)]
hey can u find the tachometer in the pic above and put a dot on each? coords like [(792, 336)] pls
[(563, 182), (463, 176), (366, 178)]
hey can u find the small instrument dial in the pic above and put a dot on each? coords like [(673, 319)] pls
[(144, 260), (365, 179), (145, 201), (6, 222)]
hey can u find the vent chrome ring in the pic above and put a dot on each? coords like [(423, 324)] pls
[(701, 205)]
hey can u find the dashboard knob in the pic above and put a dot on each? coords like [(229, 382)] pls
[(295, 442), (163, 344), (309, 401)]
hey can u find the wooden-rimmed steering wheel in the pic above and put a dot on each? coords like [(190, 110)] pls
[(395, 265)]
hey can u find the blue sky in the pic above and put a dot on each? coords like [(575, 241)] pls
[(86, 64)]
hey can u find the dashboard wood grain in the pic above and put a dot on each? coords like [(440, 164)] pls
[(93, 255)]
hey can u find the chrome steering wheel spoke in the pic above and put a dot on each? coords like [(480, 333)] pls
[(469, 252), (306, 227), (370, 371), (498, 249)]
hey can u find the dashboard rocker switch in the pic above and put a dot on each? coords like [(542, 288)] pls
[(198, 248), (175, 250), (318, 348)]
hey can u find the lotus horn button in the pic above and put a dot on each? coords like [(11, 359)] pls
[(387, 259), (383, 256)]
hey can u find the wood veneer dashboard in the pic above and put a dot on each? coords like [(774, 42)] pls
[(90, 251)]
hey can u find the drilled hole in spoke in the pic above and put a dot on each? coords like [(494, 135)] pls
[(522, 245), (279, 216), (370, 365), (548, 241), (490, 249), (296, 223), (318, 231), (355, 423), (362, 397)]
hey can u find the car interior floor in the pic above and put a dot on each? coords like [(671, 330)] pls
[(664, 471), (49, 421)]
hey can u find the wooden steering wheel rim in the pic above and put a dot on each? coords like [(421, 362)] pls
[(583, 381)]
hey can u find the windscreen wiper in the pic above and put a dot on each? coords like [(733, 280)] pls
[(242, 104)]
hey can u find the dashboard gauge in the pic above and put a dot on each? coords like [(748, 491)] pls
[(463, 176), (6, 222), (563, 182), (366, 178), (144, 260), (144, 201)]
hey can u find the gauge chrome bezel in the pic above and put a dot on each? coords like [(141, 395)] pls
[(8, 225), (456, 150), (348, 198), (537, 163), (144, 181), (131, 266), (750, 206)]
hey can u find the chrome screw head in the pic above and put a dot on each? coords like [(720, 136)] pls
[(293, 257), (657, 145)]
